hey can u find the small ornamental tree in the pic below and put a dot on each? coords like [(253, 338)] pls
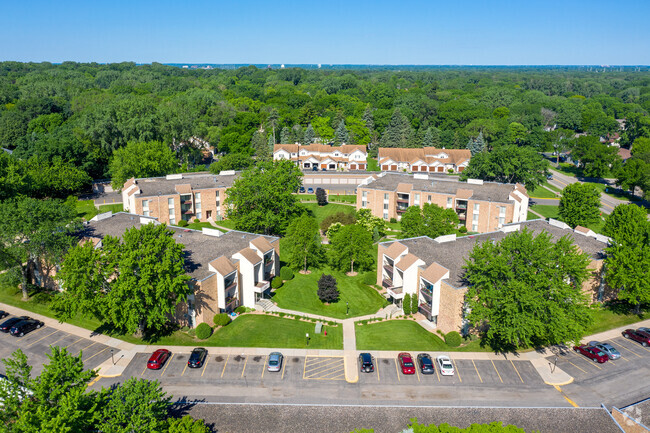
[(580, 204), (415, 302), (327, 290), (221, 319), (406, 304), (321, 197), (203, 331)]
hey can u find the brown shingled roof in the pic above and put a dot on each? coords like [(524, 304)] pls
[(250, 255), (223, 265), (262, 244), (406, 262), (428, 154), (395, 250), (464, 194), (404, 187), (183, 188), (434, 273)]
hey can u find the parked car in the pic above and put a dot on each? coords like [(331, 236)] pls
[(592, 353), (638, 335), (314, 168), (643, 329), (608, 349), (365, 360), (25, 327), (158, 359), (9, 323), (310, 190), (425, 363), (197, 358), (275, 361), (3, 314), (406, 363), (301, 190), (549, 176), (445, 366)]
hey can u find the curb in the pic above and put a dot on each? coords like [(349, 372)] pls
[(559, 383)]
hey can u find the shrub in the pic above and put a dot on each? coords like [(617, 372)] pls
[(462, 229), (192, 332), (406, 304), (415, 303), (196, 220), (203, 331), (369, 278), (281, 314), (340, 217), (182, 223), (327, 290), (286, 273), (393, 221), (221, 319), (185, 328), (453, 339), (321, 197), (241, 309), (276, 283)]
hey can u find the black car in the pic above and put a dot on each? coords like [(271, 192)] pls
[(3, 314), (425, 363), (365, 359), (197, 358), (7, 324), (302, 190), (25, 326)]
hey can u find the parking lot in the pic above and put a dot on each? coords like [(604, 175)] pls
[(36, 345), (633, 356)]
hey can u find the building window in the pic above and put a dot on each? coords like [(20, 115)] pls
[(364, 194), (474, 227), (416, 199), (145, 207), (386, 197), (217, 200), (385, 215), (385, 206), (502, 215), (476, 207), (450, 202), (475, 218), (197, 205), (429, 199)]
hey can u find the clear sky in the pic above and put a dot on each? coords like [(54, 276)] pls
[(488, 32)]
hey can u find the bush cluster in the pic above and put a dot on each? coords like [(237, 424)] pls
[(203, 331), (453, 339), (182, 223), (286, 273), (276, 282), (241, 309), (221, 319)]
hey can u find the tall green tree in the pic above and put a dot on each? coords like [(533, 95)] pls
[(309, 136), (399, 132), (35, 233), (580, 204), (526, 291), (367, 220), (260, 146), (303, 244), (261, 200), (431, 138), (141, 159), (431, 220), (477, 145), (627, 224), (285, 135), (369, 119), (131, 284), (595, 158), (634, 173), (341, 135), (272, 119), (231, 161), (352, 246)]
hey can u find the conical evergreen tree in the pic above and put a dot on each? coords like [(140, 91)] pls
[(476, 145), (431, 137), (399, 132), (341, 135), (285, 136), (369, 119), (259, 144), (309, 136)]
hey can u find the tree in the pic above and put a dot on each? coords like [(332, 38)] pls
[(431, 220), (16, 388), (35, 234), (260, 146), (55, 178), (342, 136), (406, 304), (527, 291), (415, 303), (303, 244), (309, 136), (366, 220), (321, 196), (351, 246), (231, 161), (477, 145), (580, 204), (344, 218), (508, 164), (627, 271), (141, 159), (333, 229), (634, 173), (399, 132), (132, 284), (369, 119), (286, 136), (273, 121), (187, 424), (627, 224), (595, 157), (559, 139), (327, 289), (431, 137), (261, 200), (516, 134)]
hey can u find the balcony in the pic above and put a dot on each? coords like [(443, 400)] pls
[(231, 304), (462, 217), (186, 202), (395, 292), (231, 286), (426, 292), (386, 283), (461, 206), (389, 270), (425, 309), (402, 200), (262, 286)]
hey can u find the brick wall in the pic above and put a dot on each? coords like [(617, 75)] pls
[(159, 205), (450, 317), (205, 300)]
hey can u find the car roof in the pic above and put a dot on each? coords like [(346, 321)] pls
[(444, 358), (366, 356), (275, 355)]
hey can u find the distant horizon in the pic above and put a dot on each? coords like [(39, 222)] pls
[(329, 65)]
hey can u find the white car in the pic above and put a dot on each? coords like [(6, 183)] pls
[(445, 366)]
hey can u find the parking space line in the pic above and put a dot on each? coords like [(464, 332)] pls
[(143, 370), (167, 364), (207, 358), (52, 344), (103, 350), (584, 359), (65, 347), (576, 366), (320, 361), (92, 382), (283, 365), (323, 367), (495, 369), (336, 367), (479, 375), (224, 365), (263, 367), (513, 366), (457, 370), (416, 373), (437, 375), (397, 370), (628, 348), (91, 344), (184, 368), (42, 338), (377, 363), (244, 369), (304, 367)]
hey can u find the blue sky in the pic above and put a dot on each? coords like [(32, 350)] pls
[(344, 32)]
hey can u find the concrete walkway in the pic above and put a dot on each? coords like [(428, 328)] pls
[(125, 352)]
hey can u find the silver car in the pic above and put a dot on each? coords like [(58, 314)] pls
[(275, 361), (606, 348)]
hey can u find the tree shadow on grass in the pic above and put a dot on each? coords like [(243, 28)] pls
[(624, 308), (149, 337)]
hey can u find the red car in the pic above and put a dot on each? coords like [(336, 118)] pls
[(638, 335), (406, 363), (158, 359), (592, 352)]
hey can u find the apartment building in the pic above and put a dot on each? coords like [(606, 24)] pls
[(323, 156), (432, 269), (481, 206), (426, 159), (226, 269), (176, 197)]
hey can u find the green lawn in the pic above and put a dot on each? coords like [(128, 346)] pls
[(531, 216), (117, 207), (320, 212), (372, 165), (549, 211), (405, 335), (299, 294), (607, 318), (551, 187), (226, 223), (334, 198), (541, 192), (86, 209), (199, 226)]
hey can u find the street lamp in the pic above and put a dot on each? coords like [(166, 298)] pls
[(347, 308), (112, 359), (307, 338)]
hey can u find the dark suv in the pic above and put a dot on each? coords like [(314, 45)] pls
[(7, 324), (638, 335), (365, 359), (25, 326)]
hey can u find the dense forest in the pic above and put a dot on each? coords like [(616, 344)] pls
[(77, 115)]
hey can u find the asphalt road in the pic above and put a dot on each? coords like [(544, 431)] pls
[(561, 180)]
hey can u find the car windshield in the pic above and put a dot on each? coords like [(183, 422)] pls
[(153, 361), (408, 364), (273, 362), (599, 353), (446, 365)]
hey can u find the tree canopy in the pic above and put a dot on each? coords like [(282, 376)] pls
[(302, 243), (580, 204), (430, 220), (352, 246), (141, 159)]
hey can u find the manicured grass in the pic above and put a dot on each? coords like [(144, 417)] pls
[(547, 210), (541, 192), (551, 187), (320, 212), (569, 169), (199, 226), (403, 334), (372, 165), (226, 223), (300, 294), (86, 209), (115, 208), (334, 198), (607, 318), (531, 216)]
